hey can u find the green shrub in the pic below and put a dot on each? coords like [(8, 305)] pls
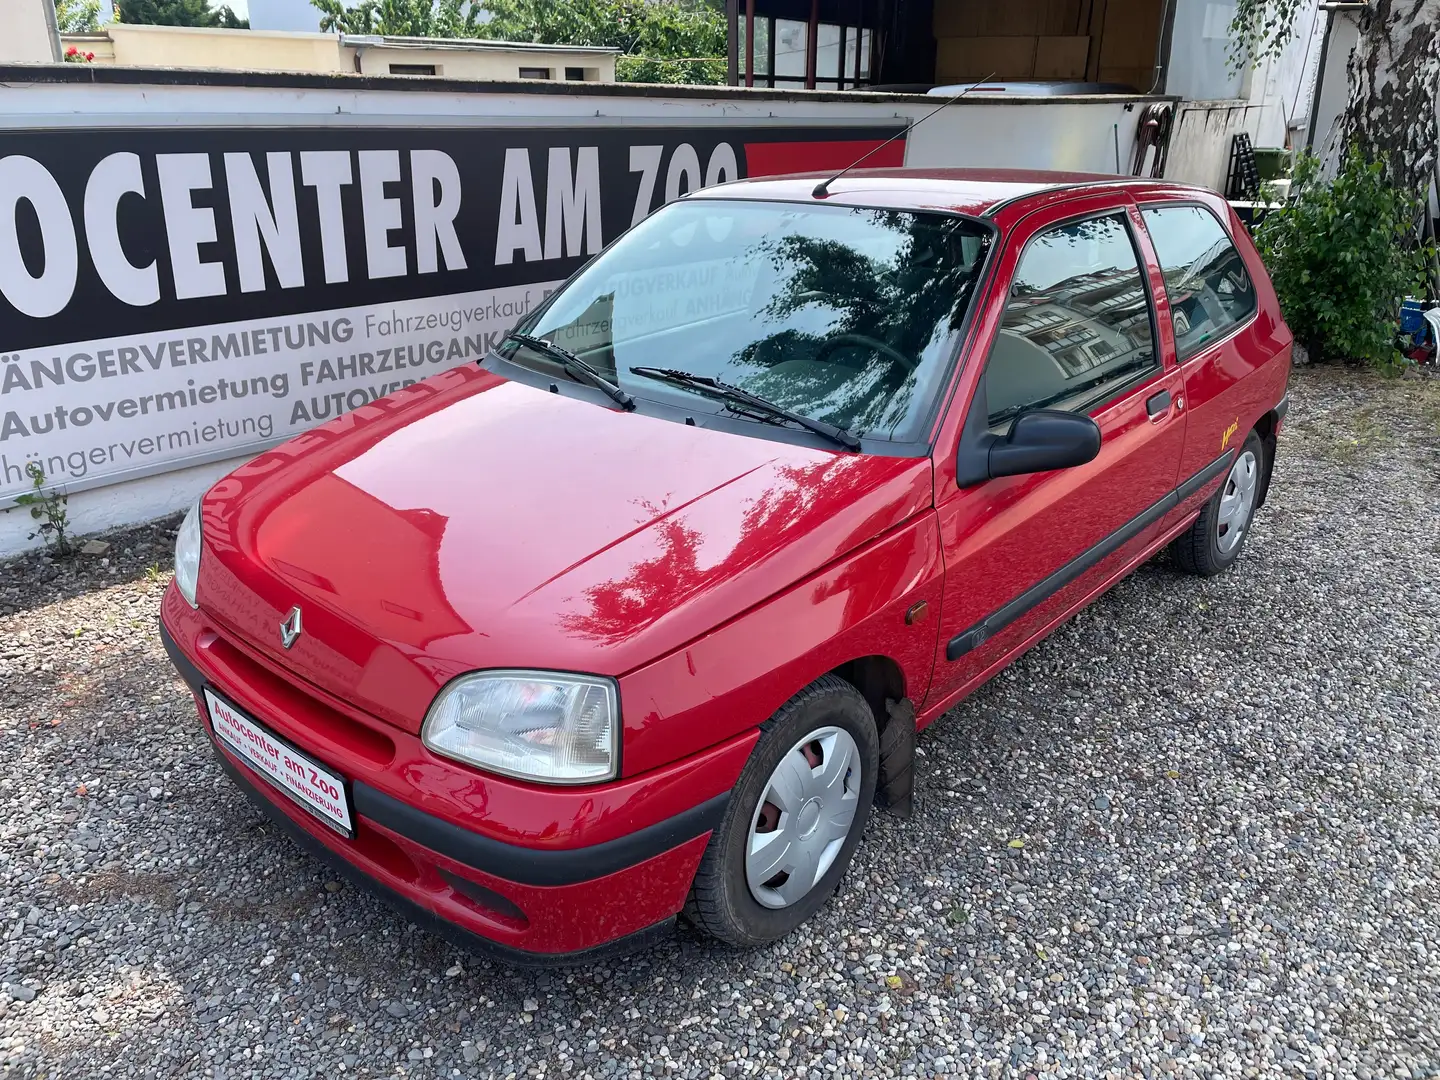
[(1343, 256), (48, 509)]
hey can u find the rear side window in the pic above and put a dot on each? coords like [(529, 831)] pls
[(1077, 324), (1210, 292)]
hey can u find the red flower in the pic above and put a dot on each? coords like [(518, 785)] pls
[(72, 51), (89, 56)]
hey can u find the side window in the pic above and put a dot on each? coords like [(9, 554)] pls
[(1205, 278), (1077, 325)]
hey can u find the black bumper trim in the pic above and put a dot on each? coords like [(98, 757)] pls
[(533, 866), (511, 862), (423, 917), (1283, 407)]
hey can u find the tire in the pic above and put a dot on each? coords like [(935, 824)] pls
[(722, 902), (1215, 539)]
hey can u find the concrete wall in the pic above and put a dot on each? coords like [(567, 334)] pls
[(1282, 86), (1203, 134), (1266, 102), (251, 50), (25, 32), (188, 47), (1335, 86), (499, 65), (1279, 86), (1199, 53)]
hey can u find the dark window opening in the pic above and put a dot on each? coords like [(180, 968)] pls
[(534, 73), (412, 69), (575, 74)]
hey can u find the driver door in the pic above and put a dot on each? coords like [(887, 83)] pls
[(1077, 332)]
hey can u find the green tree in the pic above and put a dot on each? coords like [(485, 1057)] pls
[(666, 41), (178, 13), (662, 41), (401, 18), (77, 16)]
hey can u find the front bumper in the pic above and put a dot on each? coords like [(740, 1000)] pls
[(541, 904)]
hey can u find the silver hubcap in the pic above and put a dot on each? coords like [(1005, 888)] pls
[(803, 817), (1236, 501)]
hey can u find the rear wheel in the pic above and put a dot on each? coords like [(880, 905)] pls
[(793, 820), (1216, 537)]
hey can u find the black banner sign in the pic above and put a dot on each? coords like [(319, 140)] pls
[(113, 232)]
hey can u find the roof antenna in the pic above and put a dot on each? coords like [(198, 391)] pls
[(822, 189)]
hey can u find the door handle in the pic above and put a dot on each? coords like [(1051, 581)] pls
[(1157, 405)]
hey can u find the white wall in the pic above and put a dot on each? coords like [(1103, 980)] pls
[(1278, 87), (1335, 87), (1199, 52), (1204, 133), (25, 32), (1282, 86)]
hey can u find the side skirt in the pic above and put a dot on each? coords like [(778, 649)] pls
[(934, 712)]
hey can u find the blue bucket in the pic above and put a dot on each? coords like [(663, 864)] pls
[(1412, 316)]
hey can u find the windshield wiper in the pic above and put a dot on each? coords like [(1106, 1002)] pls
[(703, 383), (575, 367)]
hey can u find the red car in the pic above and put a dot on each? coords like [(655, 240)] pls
[(638, 617)]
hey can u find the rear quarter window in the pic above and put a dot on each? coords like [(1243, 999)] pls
[(1209, 288)]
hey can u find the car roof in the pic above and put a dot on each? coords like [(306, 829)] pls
[(967, 191)]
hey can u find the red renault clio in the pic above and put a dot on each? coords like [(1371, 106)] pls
[(637, 618)]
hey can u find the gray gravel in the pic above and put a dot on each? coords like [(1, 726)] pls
[(1195, 833)]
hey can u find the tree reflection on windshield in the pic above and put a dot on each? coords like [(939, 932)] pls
[(841, 314), (884, 313)]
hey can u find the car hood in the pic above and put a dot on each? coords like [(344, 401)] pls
[(474, 522)]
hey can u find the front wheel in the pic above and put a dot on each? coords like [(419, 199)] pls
[(794, 818), (1215, 539)]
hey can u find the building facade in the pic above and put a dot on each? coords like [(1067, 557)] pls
[(276, 50)]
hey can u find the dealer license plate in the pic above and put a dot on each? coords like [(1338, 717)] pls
[(310, 784)]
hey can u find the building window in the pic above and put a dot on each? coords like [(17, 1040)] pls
[(534, 73), (413, 69), (782, 49), (575, 74)]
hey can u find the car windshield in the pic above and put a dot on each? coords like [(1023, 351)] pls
[(842, 315)]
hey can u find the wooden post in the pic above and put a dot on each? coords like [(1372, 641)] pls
[(749, 42), (859, 41), (812, 44), (732, 46)]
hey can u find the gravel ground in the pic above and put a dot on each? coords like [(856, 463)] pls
[(1194, 833)]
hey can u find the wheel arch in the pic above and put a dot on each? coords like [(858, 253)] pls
[(881, 682), (1267, 427)]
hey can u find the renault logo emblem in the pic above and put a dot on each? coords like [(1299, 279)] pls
[(290, 628)]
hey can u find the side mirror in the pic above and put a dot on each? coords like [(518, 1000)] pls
[(1042, 440)]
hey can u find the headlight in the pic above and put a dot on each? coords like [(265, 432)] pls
[(536, 725), (187, 554)]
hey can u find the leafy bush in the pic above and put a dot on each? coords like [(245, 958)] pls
[(1343, 256), (77, 16)]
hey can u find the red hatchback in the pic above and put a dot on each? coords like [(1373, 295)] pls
[(639, 617)]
